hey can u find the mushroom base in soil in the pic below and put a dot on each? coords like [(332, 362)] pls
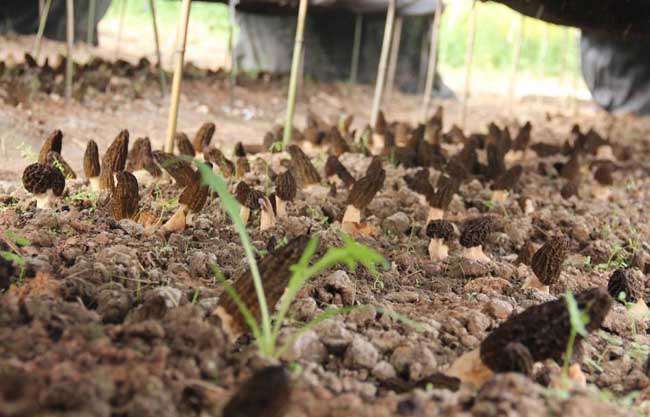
[(93, 183), (245, 214), (435, 213), (44, 201), (605, 152), (533, 282), (179, 221), (475, 253), (267, 217), (438, 250), (280, 207), (601, 192), (351, 215), (499, 196)]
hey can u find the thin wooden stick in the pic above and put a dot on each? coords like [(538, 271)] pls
[(394, 55), (156, 36), (69, 64), (295, 69), (181, 42), (234, 68), (468, 63), (41, 28), (120, 28), (433, 61), (515, 64), (383, 61), (424, 61), (356, 48), (90, 30)]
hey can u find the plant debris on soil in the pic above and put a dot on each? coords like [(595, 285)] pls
[(110, 297)]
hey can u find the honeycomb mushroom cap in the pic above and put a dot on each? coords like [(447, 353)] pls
[(203, 137), (177, 168), (141, 158), (476, 231), (195, 194), (54, 142), (548, 260), (543, 329), (285, 186), (446, 187), (365, 189), (240, 152), (125, 197), (603, 175), (247, 196), (440, 229), (114, 159), (242, 167), (334, 167), (304, 171), (37, 178), (509, 179), (420, 183), (183, 144), (91, 160), (624, 281), (522, 140)]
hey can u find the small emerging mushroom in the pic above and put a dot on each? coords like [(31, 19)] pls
[(474, 234), (114, 160), (519, 150), (240, 151), (191, 201), (285, 190), (184, 145), (625, 287), (304, 171), (439, 231), (141, 162), (506, 183), (203, 137), (547, 264), (225, 165), (54, 142), (446, 187), (91, 165), (266, 393), (363, 191), (421, 185), (604, 181), (180, 170), (248, 198), (337, 173), (45, 182), (125, 197), (539, 333), (526, 253)]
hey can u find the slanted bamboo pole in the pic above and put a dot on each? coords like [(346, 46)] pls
[(295, 69), (120, 28), (181, 42), (41, 28), (356, 48), (383, 61), (156, 36), (90, 30), (394, 55), (515, 64), (433, 61), (468, 63), (69, 64)]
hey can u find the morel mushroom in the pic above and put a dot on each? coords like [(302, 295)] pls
[(266, 393), (54, 159), (203, 137), (91, 165), (439, 231), (505, 183), (180, 170), (439, 202), (604, 181), (45, 182), (362, 193), (248, 198), (526, 253), (303, 170), (268, 210), (337, 173), (184, 145), (242, 167), (54, 142), (240, 151), (539, 333), (191, 201), (141, 162), (285, 190), (421, 185), (626, 287), (225, 165), (125, 197), (114, 160), (547, 263), (275, 271), (519, 150), (474, 234)]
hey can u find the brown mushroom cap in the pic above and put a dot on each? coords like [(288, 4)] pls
[(603, 174), (183, 144), (203, 137), (526, 253), (522, 140), (375, 167), (247, 196), (334, 167), (285, 186), (445, 189), (496, 166), (91, 160), (141, 158), (623, 281), (195, 194), (215, 156), (114, 159), (420, 183), (337, 145), (509, 179), (440, 229), (571, 188), (179, 169), (519, 358), (240, 152), (125, 197), (242, 167), (543, 329), (54, 159), (476, 231), (266, 393), (304, 171), (54, 142), (37, 178), (548, 260), (571, 170), (365, 189)]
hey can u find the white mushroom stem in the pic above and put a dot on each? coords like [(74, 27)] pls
[(378, 142), (605, 152), (434, 214), (267, 218), (93, 183), (178, 222), (280, 207), (470, 369), (44, 201), (475, 253), (226, 322), (438, 251), (601, 192), (499, 196), (144, 177), (244, 213), (515, 156), (529, 206), (351, 215), (533, 282)]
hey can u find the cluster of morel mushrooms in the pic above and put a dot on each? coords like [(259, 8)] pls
[(494, 159)]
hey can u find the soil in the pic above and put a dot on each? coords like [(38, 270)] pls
[(110, 319)]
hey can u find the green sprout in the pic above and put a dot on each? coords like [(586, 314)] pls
[(13, 255), (579, 319)]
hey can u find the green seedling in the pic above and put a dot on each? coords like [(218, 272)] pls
[(579, 319), (14, 255), (27, 153)]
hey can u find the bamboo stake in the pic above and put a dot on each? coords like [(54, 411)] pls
[(69, 64), (433, 61), (515, 64), (154, 21), (468, 63), (41, 28), (356, 48), (120, 28), (41, 5), (424, 60), (181, 42), (394, 55), (90, 32), (234, 69), (383, 60), (295, 69)]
